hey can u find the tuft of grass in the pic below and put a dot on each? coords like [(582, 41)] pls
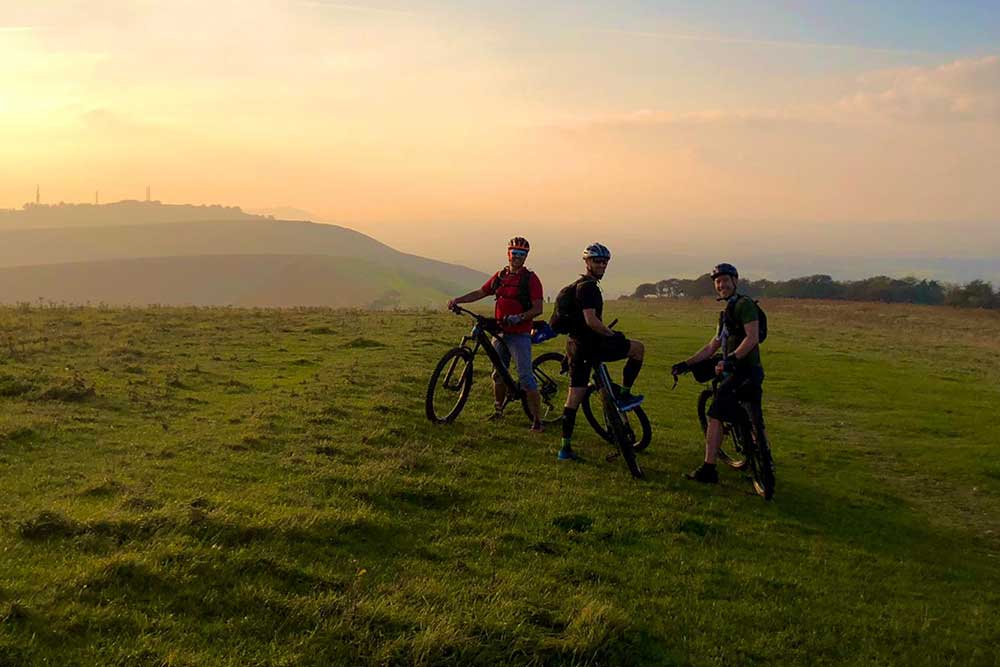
[(75, 389), (48, 525), (362, 343), (12, 386)]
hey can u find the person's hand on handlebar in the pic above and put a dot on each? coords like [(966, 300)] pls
[(452, 304), (680, 368)]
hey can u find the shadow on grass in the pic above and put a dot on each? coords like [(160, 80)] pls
[(875, 520)]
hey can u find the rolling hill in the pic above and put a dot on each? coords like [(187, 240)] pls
[(237, 280), (230, 262)]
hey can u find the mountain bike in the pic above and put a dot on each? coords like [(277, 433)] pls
[(552, 372), (616, 426), (451, 381), (616, 421), (747, 438)]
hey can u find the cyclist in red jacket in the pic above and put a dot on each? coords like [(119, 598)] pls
[(519, 299)]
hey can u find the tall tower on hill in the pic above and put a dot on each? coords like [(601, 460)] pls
[(38, 195)]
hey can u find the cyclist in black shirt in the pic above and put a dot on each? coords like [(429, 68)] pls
[(591, 341)]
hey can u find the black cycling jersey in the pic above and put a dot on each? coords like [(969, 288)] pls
[(588, 295)]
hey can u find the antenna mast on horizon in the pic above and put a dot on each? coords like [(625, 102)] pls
[(97, 198), (147, 193), (38, 194)]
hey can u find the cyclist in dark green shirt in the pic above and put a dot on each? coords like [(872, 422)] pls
[(738, 336)]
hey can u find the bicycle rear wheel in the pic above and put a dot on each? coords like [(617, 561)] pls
[(449, 387), (633, 418), (620, 437), (552, 377)]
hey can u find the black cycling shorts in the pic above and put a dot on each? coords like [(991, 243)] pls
[(595, 350), (736, 390)]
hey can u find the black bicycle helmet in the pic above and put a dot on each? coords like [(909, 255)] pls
[(725, 269), (518, 243), (596, 250)]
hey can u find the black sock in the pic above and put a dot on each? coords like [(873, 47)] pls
[(568, 422), (709, 466), (631, 372)]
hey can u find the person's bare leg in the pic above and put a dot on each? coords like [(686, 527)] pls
[(713, 440), (499, 394), (534, 404), (575, 397)]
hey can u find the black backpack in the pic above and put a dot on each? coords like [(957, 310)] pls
[(735, 327), (567, 315), (523, 286)]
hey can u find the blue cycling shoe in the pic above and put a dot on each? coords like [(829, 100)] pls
[(630, 401), (568, 455)]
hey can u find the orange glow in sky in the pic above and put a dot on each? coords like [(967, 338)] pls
[(405, 119)]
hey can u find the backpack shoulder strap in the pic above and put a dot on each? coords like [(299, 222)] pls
[(524, 289), (731, 305), (728, 315), (498, 279)]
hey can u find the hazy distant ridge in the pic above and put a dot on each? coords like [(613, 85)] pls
[(129, 212), (219, 280), (338, 266)]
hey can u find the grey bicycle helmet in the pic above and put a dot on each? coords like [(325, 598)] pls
[(725, 269), (596, 250)]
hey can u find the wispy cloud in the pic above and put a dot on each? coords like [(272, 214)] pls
[(962, 90), (355, 8), (16, 28), (723, 39)]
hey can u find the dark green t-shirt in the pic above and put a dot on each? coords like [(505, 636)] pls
[(744, 312)]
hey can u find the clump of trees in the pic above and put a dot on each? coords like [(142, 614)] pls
[(976, 294)]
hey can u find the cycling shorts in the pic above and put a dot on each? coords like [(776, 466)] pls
[(735, 392), (590, 351)]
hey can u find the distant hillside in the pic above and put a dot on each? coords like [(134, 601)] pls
[(251, 237), (238, 280), (129, 212), (79, 264)]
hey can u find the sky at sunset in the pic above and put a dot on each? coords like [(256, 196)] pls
[(436, 125)]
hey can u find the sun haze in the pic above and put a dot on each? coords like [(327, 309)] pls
[(412, 120)]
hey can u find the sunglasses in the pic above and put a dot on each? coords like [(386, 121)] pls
[(519, 253), (599, 260)]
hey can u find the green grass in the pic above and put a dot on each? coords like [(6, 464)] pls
[(260, 487)]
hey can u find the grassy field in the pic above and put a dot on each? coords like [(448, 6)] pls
[(259, 487)]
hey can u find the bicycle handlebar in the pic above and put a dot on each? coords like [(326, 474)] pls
[(488, 323)]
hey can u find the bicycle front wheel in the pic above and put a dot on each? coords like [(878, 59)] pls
[(632, 419), (450, 385), (552, 377), (616, 426)]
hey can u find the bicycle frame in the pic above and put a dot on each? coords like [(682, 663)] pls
[(484, 339)]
